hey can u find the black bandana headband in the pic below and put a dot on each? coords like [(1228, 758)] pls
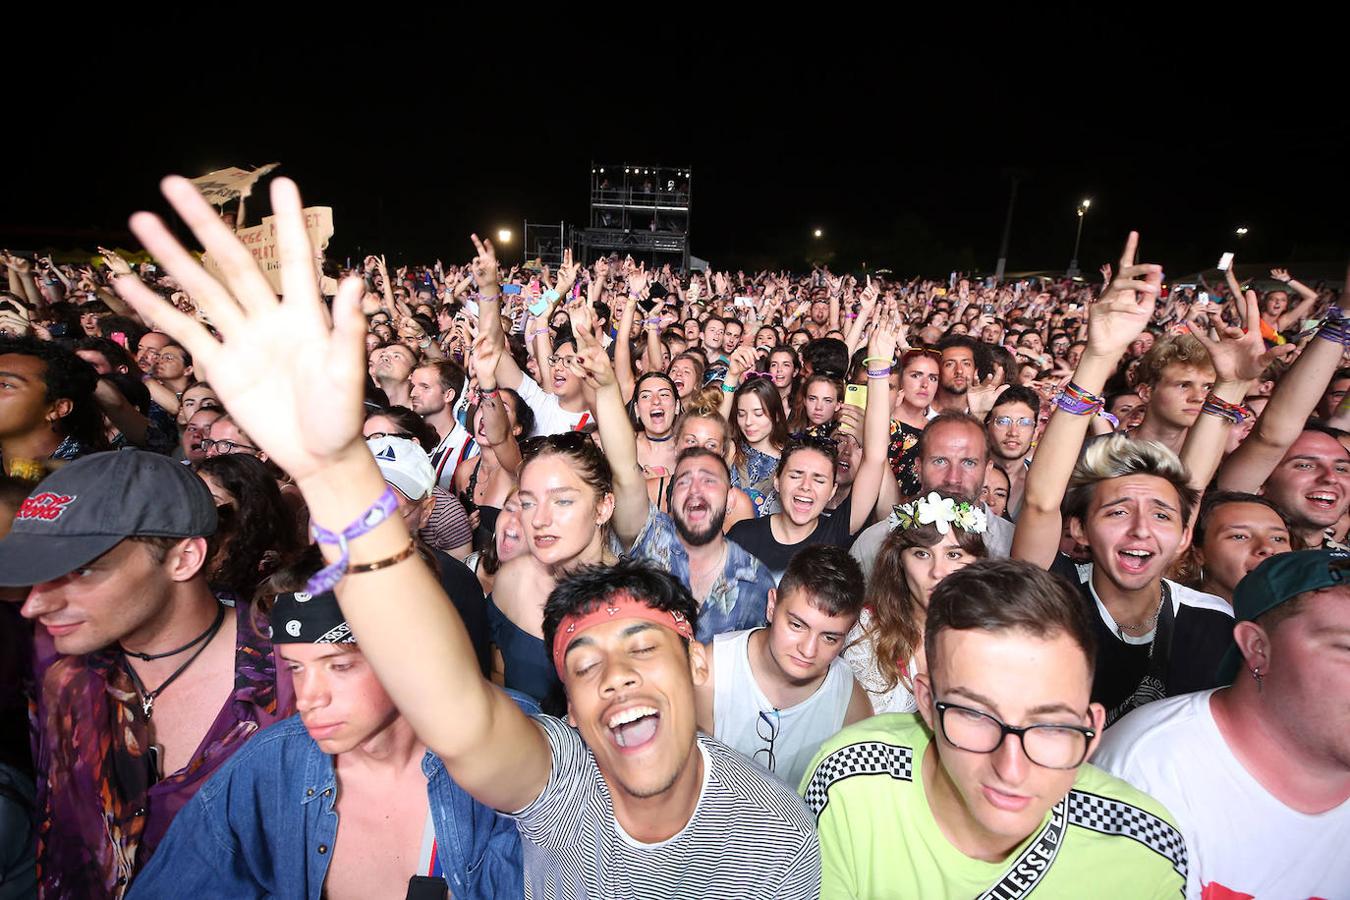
[(301, 618)]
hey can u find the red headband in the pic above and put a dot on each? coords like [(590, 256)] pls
[(620, 605)]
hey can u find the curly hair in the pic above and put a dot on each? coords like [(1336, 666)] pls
[(1174, 349), (258, 533), (65, 377), (896, 627)]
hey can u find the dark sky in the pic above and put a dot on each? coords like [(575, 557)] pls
[(901, 152)]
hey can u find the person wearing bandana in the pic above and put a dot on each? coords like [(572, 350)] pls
[(340, 800)]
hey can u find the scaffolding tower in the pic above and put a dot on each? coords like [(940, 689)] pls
[(638, 210)]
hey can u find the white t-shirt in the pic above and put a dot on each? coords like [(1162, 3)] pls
[(1242, 841), (750, 836), (549, 416)]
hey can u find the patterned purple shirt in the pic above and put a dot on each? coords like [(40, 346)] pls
[(102, 813)]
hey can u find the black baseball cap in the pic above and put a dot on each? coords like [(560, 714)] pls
[(1279, 578), (85, 508)]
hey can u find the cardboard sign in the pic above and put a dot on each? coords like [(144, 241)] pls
[(224, 185), (261, 240)]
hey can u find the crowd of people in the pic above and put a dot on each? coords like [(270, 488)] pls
[(607, 581)]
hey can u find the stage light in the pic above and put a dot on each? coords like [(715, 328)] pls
[(504, 235), (818, 233), (602, 170), (1086, 204), (1241, 231)]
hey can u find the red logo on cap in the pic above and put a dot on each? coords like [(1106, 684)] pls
[(46, 506)]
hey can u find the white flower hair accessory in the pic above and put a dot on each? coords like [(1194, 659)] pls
[(940, 512)]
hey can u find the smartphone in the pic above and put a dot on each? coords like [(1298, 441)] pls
[(510, 289), (538, 307), (1225, 261), (988, 309), (1202, 299), (856, 395)]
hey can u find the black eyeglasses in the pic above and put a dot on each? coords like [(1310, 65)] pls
[(1051, 746), (768, 721), (223, 447)]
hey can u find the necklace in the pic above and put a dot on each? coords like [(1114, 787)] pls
[(657, 440), (148, 697), (220, 615), (1145, 625)]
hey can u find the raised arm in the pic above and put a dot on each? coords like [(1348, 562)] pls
[(1281, 423), (623, 341), (294, 381), (496, 424), (1307, 300), (876, 423), (1239, 356), (1114, 320), (484, 268), (631, 500)]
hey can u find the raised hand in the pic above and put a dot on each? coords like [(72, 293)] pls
[(484, 266), (486, 353), (1237, 352), (1106, 273), (742, 360), (291, 377), (1281, 275), (1126, 305)]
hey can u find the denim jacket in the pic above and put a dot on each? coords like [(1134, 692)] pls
[(265, 824)]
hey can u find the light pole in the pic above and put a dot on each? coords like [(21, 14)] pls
[(1073, 263)]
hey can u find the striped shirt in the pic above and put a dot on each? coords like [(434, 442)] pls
[(750, 835)]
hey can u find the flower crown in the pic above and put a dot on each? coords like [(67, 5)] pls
[(942, 512)]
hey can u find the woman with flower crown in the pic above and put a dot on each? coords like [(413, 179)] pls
[(930, 538)]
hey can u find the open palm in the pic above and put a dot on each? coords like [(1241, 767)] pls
[(290, 376), (1126, 305)]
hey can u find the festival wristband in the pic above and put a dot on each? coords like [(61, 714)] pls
[(729, 388), (1233, 412), (1078, 402), (879, 373), (328, 577)]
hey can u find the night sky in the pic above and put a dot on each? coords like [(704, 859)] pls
[(901, 154)]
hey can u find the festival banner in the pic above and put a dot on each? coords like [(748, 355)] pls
[(261, 240), (224, 185)]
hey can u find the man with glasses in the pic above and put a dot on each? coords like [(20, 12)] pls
[(1011, 425), (227, 437), (998, 801)]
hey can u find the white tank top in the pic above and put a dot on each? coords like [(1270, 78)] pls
[(797, 731)]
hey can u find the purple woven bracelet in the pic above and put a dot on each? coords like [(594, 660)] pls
[(328, 577)]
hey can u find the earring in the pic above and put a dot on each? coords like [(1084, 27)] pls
[(1256, 673)]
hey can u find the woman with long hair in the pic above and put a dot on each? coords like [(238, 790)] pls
[(919, 369), (885, 648), (817, 401), (501, 417), (758, 433), (257, 531), (655, 406), (783, 366)]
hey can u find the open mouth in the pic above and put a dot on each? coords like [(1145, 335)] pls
[(1323, 500), (803, 504), (634, 727), (696, 510), (1134, 560)]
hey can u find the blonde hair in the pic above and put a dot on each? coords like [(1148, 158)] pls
[(1173, 349), (1118, 456)]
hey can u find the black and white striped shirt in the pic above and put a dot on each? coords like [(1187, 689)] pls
[(750, 836)]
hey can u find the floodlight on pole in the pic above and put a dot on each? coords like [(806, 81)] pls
[(504, 235), (1082, 213), (1242, 229), (818, 233)]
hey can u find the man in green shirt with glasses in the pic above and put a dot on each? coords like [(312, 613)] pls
[(986, 791)]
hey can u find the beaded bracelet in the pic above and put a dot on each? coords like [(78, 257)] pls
[(879, 373), (729, 388), (1078, 402), (1233, 412), (325, 579)]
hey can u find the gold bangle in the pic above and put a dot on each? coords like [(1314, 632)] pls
[(384, 563)]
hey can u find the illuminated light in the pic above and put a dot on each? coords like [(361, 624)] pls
[(818, 233), (504, 235), (1241, 231)]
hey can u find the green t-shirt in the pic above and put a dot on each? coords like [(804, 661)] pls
[(878, 837)]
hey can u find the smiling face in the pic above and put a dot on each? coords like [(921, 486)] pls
[(630, 692), (337, 695), (1238, 536), (685, 376), (698, 499), (801, 639), (988, 803), (560, 513), (655, 406), (805, 484), (1312, 483), (1135, 529)]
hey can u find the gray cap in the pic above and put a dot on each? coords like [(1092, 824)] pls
[(85, 508)]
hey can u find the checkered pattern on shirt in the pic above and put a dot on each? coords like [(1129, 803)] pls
[(866, 758), (1115, 817)]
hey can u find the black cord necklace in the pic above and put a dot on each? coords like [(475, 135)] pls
[(148, 697), (657, 440)]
